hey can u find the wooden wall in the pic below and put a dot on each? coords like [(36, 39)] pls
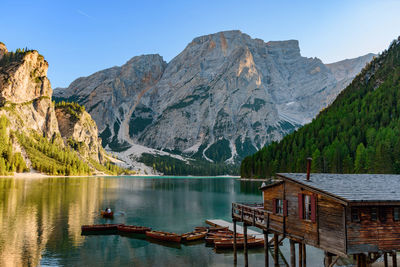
[(328, 232), (373, 236)]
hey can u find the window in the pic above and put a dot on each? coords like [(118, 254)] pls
[(396, 213), (382, 214), (374, 214), (307, 207), (279, 206), (355, 215)]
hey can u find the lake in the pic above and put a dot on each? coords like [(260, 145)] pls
[(40, 220)]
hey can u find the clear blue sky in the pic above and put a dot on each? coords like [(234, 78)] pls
[(81, 37)]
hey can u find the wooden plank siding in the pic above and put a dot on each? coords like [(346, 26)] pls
[(372, 236), (332, 230)]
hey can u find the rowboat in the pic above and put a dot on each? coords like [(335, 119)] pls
[(107, 214), (192, 236), (133, 229), (210, 229), (228, 243), (211, 239), (99, 227), (164, 236)]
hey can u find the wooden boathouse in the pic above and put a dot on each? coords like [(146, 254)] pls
[(342, 214)]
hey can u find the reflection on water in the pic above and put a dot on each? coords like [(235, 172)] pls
[(40, 219)]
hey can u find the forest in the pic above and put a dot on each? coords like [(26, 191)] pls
[(358, 133), (171, 166), (10, 161)]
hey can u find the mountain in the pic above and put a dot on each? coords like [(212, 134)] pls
[(222, 98), (357, 133), (35, 133)]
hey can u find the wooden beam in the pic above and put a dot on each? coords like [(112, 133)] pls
[(394, 259), (292, 254), (300, 254), (304, 255), (266, 248), (234, 242), (246, 256), (276, 247)]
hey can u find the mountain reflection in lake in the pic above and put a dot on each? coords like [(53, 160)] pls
[(40, 219)]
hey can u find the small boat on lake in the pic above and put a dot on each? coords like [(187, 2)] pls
[(164, 236), (99, 227), (192, 236), (105, 214), (133, 229)]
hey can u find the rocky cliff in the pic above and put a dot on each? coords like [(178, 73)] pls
[(223, 97), (80, 131), (25, 92), (26, 103)]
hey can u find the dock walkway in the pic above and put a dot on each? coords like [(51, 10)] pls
[(239, 229)]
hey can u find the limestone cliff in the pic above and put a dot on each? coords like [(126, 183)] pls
[(25, 92), (25, 100)]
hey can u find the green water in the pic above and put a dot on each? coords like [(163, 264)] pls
[(40, 220)]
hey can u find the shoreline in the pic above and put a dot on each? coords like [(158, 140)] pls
[(37, 175)]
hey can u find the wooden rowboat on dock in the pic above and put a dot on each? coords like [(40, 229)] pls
[(133, 229), (164, 236), (99, 227)]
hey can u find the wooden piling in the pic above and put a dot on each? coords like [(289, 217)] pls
[(276, 248), (385, 260), (328, 259), (304, 255), (394, 259), (300, 254), (234, 242), (292, 254), (246, 256), (266, 248)]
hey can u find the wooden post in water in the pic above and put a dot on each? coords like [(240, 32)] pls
[(385, 259), (394, 259), (246, 256), (276, 248), (328, 259), (304, 255), (300, 254), (234, 242), (266, 248), (292, 254)]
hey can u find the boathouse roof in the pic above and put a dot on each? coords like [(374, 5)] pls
[(351, 187)]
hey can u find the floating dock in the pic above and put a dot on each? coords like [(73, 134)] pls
[(239, 229)]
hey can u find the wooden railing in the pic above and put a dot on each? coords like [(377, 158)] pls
[(251, 213)]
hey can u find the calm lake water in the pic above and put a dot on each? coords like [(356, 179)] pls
[(40, 220)]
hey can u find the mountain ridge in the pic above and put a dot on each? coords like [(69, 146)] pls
[(225, 92)]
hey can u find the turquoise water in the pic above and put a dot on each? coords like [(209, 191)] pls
[(40, 220)]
